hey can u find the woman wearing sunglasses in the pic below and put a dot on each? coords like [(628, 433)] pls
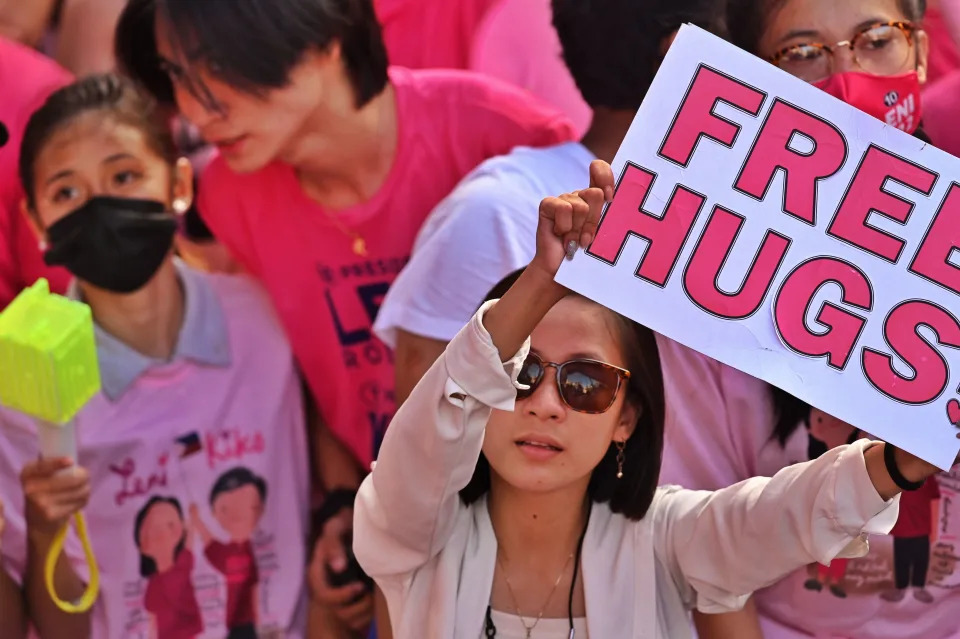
[(516, 491)]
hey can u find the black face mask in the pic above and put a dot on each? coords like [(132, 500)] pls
[(116, 244)]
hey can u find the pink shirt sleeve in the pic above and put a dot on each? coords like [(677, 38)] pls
[(508, 117)]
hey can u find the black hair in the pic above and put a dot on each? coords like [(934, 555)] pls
[(747, 20), (632, 495), (238, 478), (789, 412), (148, 566), (251, 44), (613, 48), (115, 96)]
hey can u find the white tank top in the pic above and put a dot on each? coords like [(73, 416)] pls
[(509, 627)]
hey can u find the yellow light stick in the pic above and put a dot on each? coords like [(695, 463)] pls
[(48, 370)]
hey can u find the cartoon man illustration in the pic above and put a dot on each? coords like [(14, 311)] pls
[(912, 536), (237, 501)]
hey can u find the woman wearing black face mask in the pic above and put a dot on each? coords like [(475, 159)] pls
[(198, 385)]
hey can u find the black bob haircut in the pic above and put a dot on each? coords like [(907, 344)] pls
[(237, 478), (251, 45), (613, 48), (747, 19), (631, 495)]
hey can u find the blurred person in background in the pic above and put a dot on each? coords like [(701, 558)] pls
[(78, 34), (511, 40), (27, 21), (27, 78), (859, 51)]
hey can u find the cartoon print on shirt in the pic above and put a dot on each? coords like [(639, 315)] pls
[(917, 556), (913, 536), (166, 562), (945, 557), (826, 433), (237, 502)]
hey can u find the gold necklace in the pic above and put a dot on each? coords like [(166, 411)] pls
[(516, 604), (359, 245)]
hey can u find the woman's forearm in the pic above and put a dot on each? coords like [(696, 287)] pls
[(50, 621), (13, 620), (336, 467), (514, 317)]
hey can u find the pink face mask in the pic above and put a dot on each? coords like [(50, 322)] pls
[(895, 99)]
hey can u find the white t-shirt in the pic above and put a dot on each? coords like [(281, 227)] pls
[(489, 223)]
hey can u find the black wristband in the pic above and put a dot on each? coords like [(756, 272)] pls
[(889, 459), (334, 502)]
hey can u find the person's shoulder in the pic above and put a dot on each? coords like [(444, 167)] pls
[(240, 292), (526, 175), (467, 90), (505, 191), (527, 171), (247, 308), (36, 74)]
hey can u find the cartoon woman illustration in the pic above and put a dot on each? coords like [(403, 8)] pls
[(167, 563)]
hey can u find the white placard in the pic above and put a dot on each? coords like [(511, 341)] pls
[(776, 229)]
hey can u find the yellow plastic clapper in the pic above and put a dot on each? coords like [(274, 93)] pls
[(48, 370)]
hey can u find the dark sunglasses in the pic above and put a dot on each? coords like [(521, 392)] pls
[(585, 385)]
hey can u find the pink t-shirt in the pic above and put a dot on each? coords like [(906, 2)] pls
[(723, 434), (516, 42), (451, 25), (26, 78), (944, 57), (327, 296), (223, 417)]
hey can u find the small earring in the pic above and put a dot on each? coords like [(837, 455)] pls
[(180, 206), (43, 246), (620, 455)]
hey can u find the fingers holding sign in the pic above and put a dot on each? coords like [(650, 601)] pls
[(570, 221)]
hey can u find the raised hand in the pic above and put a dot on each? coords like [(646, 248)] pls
[(569, 221)]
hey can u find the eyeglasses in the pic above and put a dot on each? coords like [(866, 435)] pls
[(881, 49), (585, 385)]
